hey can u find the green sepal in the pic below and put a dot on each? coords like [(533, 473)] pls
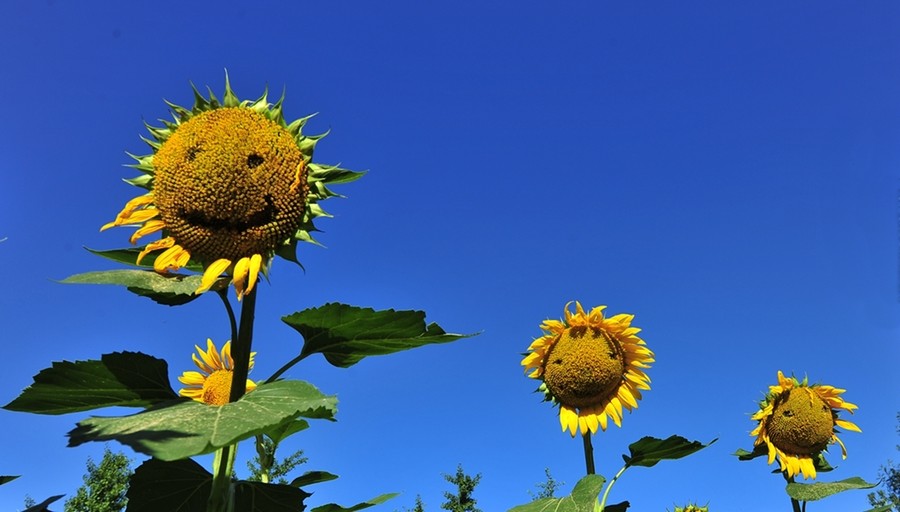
[(129, 379), (332, 507), (167, 289), (179, 429), (582, 499), (145, 181), (818, 490), (313, 477), (42, 506), (759, 450), (346, 334), (648, 451), (7, 478)]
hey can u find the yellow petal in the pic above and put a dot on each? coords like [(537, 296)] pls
[(255, 264), (846, 425), (151, 226), (163, 243), (239, 278), (568, 418), (212, 272)]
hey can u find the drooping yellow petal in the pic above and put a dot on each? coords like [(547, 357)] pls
[(163, 243), (241, 269), (151, 226), (253, 272), (568, 418), (212, 272), (846, 425)]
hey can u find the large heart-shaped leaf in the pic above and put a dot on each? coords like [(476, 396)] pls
[(582, 499), (819, 490), (176, 486), (346, 334), (130, 379), (648, 451), (184, 486), (176, 430), (167, 289)]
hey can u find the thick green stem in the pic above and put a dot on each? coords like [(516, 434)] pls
[(795, 505), (588, 453), (220, 498), (609, 486)]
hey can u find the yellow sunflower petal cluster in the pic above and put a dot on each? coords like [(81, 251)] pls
[(591, 365), (212, 384), (797, 423), (229, 186)]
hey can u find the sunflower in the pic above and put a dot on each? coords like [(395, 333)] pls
[(797, 423), (212, 384), (591, 366), (228, 186)]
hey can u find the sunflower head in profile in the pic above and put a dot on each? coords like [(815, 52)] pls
[(592, 366), (228, 185), (797, 422), (212, 384)]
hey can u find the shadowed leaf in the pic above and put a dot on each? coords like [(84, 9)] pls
[(177, 486), (313, 477), (130, 379), (347, 334), (42, 506), (648, 451), (7, 478)]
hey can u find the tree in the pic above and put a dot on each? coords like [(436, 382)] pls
[(462, 501), (266, 468), (420, 506), (104, 486), (890, 478), (546, 489)]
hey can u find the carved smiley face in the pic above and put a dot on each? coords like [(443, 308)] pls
[(230, 183)]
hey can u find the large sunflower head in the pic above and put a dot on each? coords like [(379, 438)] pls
[(212, 384), (797, 422), (229, 185), (592, 366)]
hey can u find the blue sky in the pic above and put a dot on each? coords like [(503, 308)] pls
[(730, 174)]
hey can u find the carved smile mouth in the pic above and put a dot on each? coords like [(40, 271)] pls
[(201, 219)]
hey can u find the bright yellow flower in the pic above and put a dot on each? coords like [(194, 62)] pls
[(228, 186), (797, 423), (212, 384), (591, 366)]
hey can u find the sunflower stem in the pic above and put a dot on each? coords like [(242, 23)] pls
[(795, 505), (240, 348), (609, 486), (588, 453), (220, 498)]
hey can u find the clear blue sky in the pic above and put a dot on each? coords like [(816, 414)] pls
[(728, 173)]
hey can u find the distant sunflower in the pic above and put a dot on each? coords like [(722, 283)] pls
[(229, 186), (591, 366), (797, 423), (212, 384)]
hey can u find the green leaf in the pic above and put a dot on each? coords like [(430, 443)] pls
[(175, 430), (883, 508), (648, 451), (281, 432), (819, 490), (167, 289), (346, 334), (129, 255), (178, 486), (42, 506), (331, 507), (129, 379), (260, 497), (313, 477), (758, 451), (582, 499), (7, 478)]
